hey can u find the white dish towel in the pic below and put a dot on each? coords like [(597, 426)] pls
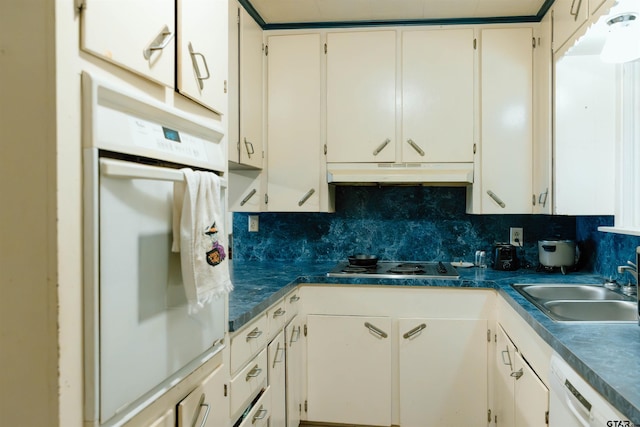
[(198, 234)]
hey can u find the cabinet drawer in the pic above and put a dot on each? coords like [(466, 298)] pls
[(260, 413), (248, 342), (292, 304), (248, 382), (277, 316), (207, 405)]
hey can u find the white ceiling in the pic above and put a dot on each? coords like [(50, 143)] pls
[(332, 11)]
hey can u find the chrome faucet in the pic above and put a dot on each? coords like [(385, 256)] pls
[(632, 269)]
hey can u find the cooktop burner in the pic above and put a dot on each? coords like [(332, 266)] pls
[(397, 270)]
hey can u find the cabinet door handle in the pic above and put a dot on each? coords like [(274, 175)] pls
[(294, 298), (256, 371), (295, 332), (160, 42), (415, 146), (306, 196), (542, 200), (415, 331), (279, 312), (249, 196), (254, 334), (517, 374), (261, 414), (249, 147), (279, 352), (381, 147), (577, 12), (508, 360), (496, 199), (376, 331), (206, 412), (197, 68)]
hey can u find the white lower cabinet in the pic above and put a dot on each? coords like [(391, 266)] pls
[(276, 378), (522, 399), (293, 345), (349, 369), (207, 405), (443, 372), (248, 383)]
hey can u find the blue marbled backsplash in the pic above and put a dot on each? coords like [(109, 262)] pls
[(394, 223)]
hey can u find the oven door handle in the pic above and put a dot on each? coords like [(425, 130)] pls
[(130, 170)]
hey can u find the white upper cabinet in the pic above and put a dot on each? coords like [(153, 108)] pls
[(138, 35), (361, 96), (506, 156), (294, 148), (202, 52), (437, 95), (568, 16)]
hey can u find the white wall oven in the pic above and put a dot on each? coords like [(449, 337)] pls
[(140, 338)]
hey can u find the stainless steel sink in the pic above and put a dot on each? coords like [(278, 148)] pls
[(580, 302)]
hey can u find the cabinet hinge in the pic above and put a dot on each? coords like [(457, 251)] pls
[(225, 390), (325, 149), (238, 16), (533, 199), (475, 44), (81, 5), (266, 199), (266, 50), (225, 86), (306, 406), (474, 148), (305, 330), (325, 48), (533, 42), (489, 338), (495, 419), (546, 417), (489, 415)]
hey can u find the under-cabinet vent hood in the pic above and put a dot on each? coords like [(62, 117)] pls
[(436, 174)]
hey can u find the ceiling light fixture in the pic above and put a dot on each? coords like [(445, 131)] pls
[(623, 39)]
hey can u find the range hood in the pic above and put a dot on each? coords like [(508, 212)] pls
[(436, 174)]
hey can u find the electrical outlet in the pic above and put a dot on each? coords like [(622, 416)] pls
[(516, 236), (253, 223)]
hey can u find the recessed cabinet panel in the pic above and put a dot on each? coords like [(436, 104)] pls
[(294, 153), (361, 96), (506, 75), (437, 95), (202, 52), (348, 369), (443, 362), (138, 35)]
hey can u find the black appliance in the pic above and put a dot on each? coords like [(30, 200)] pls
[(505, 257), (397, 270)]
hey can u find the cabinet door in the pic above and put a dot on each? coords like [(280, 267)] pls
[(568, 16), (137, 35), (202, 52), (207, 405), (504, 382), (276, 378), (349, 369), (251, 102), (507, 120), (294, 146), (246, 190), (443, 362), (293, 353), (531, 398), (361, 96), (437, 96)]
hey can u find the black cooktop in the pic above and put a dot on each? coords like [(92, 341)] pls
[(397, 270)]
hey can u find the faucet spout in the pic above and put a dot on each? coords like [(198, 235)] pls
[(629, 269)]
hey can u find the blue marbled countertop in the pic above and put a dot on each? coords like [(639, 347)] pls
[(607, 355)]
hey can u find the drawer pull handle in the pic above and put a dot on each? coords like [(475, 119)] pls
[(206, 412), (254, 334), (294, 298), (376, 331), (261, 414), (306, 197), (415, 331), (279, 312), (496, 199), (160, 42), (381, 147), (415, 146), (279, 352), (256, 371), (246, 199), (517, 374)]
